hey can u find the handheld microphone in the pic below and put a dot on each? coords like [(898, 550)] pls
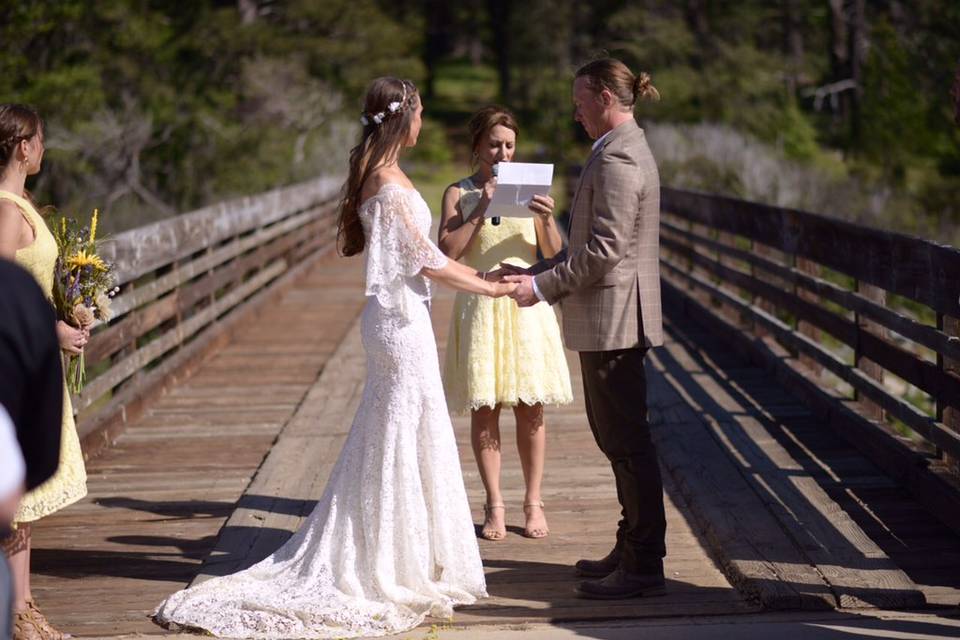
[(495, 220)]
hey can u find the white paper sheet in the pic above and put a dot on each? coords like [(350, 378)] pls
[(517, 183)]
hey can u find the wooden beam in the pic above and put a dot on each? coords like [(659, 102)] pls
[(868, 344), (149, 291), (152, 350), (183, 298), (930, 337), (98, 429), (144, 249), (935, 432), (911, 267)]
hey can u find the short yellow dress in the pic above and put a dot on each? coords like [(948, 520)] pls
[(497, 352), (69, 483)]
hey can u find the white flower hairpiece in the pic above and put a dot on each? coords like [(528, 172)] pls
[(392, 108)]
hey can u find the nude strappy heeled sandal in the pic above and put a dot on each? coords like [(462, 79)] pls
[(487, 532), (539, 532)]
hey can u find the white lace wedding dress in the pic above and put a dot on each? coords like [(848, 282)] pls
[(391, 540)]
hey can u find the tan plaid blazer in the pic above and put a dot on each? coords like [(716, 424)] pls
[(607, 281)]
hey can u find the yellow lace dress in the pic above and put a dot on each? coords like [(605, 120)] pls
[(69, 483), (496, 351)]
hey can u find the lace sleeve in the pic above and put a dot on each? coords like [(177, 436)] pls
[(396, 247)]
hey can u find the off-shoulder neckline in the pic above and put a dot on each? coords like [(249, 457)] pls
[(383, 187)]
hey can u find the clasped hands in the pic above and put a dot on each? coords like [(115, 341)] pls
[(523, 279)]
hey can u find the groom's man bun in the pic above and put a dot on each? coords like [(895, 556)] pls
[(611, 74)]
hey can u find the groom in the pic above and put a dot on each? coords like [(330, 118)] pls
[(608, 285)]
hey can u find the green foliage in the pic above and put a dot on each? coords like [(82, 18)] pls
[(158, 107), (795, 133), (894, 109), (433, 149)]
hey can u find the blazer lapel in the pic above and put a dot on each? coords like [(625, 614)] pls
[(623, 129), (583, 175)]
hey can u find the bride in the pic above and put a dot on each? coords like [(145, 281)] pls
[(391, 540)]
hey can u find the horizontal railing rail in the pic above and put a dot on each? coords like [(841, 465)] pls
[(181, 281), (872, 315)]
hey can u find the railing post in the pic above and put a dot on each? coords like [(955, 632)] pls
[(949, 414), (805, 328), (729, 240), (872, 369), (762, 251), (130, 348)]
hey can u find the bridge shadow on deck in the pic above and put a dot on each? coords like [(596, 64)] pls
[(913, 538), (172, 558)]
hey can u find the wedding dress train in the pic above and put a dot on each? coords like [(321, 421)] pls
[(392, 539)]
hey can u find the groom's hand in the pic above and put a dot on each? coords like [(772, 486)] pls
[(523, 294)]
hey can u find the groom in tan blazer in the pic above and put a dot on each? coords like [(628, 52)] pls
[(607, 283)]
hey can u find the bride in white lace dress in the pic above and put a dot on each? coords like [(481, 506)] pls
[(391, 540)]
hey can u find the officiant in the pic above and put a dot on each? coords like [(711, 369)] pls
[(499, 355)]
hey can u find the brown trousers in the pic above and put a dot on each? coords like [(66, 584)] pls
[(615, 388)]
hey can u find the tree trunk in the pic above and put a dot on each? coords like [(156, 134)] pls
[(858, 50), (793, 44), (248, 11), (695, 13), (955, 92), (499, 14), (436, 40), (839, 61)]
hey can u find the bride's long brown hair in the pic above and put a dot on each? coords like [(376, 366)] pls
[(378, 141)]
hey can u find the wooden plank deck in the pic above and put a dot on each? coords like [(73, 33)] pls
[(226, 447)]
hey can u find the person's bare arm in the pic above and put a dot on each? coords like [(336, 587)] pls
[(11, 233), (548, 234), (463, 278), (455, 233)]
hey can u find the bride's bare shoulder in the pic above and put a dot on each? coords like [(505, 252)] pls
[(383, 176)]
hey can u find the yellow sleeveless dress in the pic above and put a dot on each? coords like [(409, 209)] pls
[(69, 483), (496, 351)]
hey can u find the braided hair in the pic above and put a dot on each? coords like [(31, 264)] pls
[(18, 122)]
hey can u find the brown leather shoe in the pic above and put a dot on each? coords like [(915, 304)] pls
[(599, 568), (621, 585)]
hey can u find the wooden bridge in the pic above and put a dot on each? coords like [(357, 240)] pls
[(806, 407)]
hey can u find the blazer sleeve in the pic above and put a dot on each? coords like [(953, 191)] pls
[(549, 263), (616, 205)]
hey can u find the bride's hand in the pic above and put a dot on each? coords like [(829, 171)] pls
[(501, 289)]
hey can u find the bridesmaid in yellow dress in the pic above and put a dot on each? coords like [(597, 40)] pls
[(25, 238), (497, 353)]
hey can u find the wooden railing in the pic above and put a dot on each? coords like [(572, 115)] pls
[(870, 316), (184, 282)]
